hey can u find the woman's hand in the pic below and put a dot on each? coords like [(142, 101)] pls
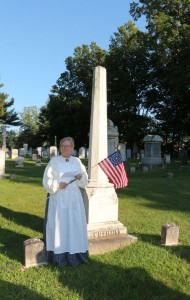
[(63, 185)]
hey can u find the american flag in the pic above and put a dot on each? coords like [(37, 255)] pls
[(114, 168)]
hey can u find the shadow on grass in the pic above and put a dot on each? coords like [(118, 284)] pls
[(99, 281), (12, 244), (10, 291), (162, 193), (181, 251), (27, 220)]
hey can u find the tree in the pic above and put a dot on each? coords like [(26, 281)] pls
[(29, 131), (168, 25), (7, 117), (128, 67)]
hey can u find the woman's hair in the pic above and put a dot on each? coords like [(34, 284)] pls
[(68, 138)]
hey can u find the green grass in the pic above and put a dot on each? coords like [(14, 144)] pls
[(144, 270)]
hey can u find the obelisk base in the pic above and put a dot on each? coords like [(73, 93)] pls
[(105, 232), (110, 243)]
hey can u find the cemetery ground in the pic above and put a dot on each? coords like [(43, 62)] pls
[(143, 270)]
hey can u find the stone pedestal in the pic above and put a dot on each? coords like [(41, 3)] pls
[(34, 253), (169, 235)]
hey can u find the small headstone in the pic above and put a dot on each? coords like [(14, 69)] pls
[(122, 149), (19, 161), (34, 253), (82, 152), (169, 235), (39, 149), (132, 169), (53, 151), (38, 162), (7, 153), (34, 156), (167, 158), (145, 168), (14, 153), (169, 175), (22, 152), (25, 146)]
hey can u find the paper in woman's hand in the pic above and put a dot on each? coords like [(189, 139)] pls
[(68, 176)]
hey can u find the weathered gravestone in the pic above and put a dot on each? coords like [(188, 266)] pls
[(14, 153), (82, 152), (113, 135), (169, 234), (152, 156), (34, 253), (19, 161)]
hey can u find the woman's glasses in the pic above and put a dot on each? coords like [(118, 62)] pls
[(66, 146)]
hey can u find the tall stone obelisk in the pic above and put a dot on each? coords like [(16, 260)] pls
[(100, 198)]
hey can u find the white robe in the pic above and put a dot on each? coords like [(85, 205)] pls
[(66, 229)]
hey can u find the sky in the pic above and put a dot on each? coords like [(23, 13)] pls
[(38, 35)]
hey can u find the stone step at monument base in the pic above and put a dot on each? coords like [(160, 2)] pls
[(107, 244), (103, 229)]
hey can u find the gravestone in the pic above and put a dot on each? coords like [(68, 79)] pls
[(25, 146), (169, 235), (14, 153), (132, 169), (122, 149), (144, 168), (7, 153), (34, 253), (135, 150), (53, 151), (34, 156), (152, 155), (19, 161), (183, 157), (82, 152), (30, 151), (113, 135), (22, 152), (141, 153), (39, 149), (167, 159), (38, 162)]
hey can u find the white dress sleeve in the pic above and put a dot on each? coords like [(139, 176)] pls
[(51, 177), (84, 180)]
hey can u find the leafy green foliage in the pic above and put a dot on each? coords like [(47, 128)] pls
[(168, 25), (7, 117)]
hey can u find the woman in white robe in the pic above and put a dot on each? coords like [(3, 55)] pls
[(65, 224)]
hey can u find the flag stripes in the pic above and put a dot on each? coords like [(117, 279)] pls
[(114, 168)]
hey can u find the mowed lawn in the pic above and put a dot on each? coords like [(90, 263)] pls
[(144, 270)]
